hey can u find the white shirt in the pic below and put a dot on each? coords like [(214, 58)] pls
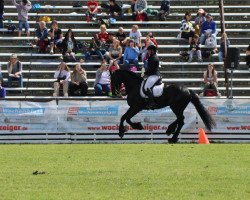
[(61, 74), (105, 78), (135, 35)]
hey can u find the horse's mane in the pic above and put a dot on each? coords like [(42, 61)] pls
[(129, 73)]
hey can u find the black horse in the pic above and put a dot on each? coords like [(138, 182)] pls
[(175, 96)]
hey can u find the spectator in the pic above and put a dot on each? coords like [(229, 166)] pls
[(187, 30), (248, 57), (23, 9), (199, 19), (210, 80), (2, 91), (150, 40), (115, 53), (140, 9), (221, 53), (132, 3), (1, 13), (208, 27), (14, 68), (69, 47), (110, 41), (56, 36), (103, 35), (195, 49), (42, 37), (135, 34), (62, 76), (121, 36), (92, 10), (102, 81), (164, 10), (95, 49), (78, 84), (130, 55), (115, 10)]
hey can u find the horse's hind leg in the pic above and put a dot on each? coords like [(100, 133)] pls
[(172, 128), (178, 111)]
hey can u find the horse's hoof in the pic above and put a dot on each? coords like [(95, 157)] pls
[(121, 135), (122, 130), (172, 141), (169, 133)]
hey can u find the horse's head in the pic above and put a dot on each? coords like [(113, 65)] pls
[(128, 78)]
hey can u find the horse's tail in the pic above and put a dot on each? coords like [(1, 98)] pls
[(203, 112)]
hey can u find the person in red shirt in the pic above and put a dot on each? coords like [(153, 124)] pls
[(92, 10), (103, 35)]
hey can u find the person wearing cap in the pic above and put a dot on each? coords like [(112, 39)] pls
[(200, 18), (56, 36), (208, 27), (130, 56), (152, 73), (23, 9), (14, 68)]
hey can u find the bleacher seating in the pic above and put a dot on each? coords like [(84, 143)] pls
[(39, 68)]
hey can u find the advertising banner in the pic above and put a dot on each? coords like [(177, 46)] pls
[(231, 115), (28, 117), (104, 117), (88, 117)]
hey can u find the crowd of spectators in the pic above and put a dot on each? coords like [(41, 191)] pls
[(114, 50)]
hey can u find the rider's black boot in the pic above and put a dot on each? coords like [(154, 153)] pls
[(151, 102)]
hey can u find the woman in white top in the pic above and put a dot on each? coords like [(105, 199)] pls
[(135, 34), (62, 75), (102, 82), (210, 80)]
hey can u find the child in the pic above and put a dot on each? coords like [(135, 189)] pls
[(23, 9), (195, 48)]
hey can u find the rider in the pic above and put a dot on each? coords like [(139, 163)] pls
[(152, 73)]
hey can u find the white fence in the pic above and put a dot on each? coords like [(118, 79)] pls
[(87, 121)]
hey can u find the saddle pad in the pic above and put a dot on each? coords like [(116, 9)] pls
[(157, 90)]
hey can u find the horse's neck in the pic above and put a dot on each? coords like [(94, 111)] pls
[(131, 82)]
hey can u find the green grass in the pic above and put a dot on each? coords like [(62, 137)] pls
[(134, 171)]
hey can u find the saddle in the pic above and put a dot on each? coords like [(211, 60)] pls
[(157, 88)]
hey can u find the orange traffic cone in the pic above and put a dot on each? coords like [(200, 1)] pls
[(202, 137)]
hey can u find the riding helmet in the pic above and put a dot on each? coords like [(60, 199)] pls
[(152, 47)]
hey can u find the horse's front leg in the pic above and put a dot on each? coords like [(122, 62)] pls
[(127, 116), (132, 113), (122, 129)]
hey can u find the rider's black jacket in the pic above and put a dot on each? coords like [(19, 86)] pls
[(153, 66)]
